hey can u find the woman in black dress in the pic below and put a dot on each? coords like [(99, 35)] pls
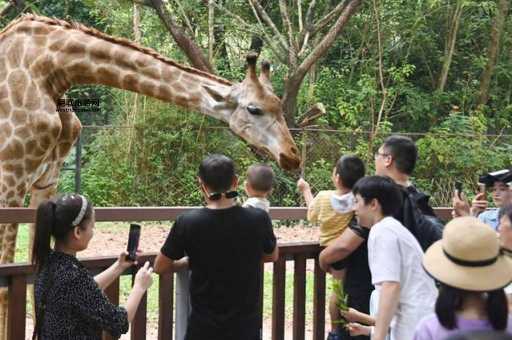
[(70, 303)]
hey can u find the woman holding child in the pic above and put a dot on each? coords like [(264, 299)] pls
[(69, 301)]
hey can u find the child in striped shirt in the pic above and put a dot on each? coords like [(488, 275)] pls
[(333, 211)]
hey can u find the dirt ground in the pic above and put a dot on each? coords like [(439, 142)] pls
[(111, 238)]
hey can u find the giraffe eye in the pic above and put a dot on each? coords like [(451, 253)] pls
[(254, 110)]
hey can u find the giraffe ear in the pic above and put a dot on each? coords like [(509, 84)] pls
[(217, 93)]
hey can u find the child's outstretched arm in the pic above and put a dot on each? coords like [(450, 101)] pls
[(305, 189)]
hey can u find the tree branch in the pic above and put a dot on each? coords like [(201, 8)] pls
[(309, 13), (299, 15), (296, 78), (186, 44), (381, 70), (264, 16), (328, 17), (292, 50), (185, 18), (329, 38), (279, 51)]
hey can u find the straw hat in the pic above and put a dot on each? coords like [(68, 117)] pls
[(468, 257)]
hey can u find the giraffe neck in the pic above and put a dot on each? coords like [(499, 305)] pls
[(66, 54)]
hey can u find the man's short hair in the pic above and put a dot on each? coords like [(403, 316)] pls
[(404, 152), (350, 168), (260, 177), (217, 172), (383, 189)]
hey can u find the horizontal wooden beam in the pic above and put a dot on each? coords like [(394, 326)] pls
[(124, 214)]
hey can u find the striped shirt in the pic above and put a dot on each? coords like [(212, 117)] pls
[(326, 211)]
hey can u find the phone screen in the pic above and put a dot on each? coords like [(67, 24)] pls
[(481, 188), (133, 241)]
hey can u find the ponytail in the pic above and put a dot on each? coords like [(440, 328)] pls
[(45, 221), (497, 309)]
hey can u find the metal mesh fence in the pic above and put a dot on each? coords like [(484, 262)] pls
[(126, 166)]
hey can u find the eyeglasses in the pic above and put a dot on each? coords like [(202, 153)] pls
[(215, 196), (377, 154)]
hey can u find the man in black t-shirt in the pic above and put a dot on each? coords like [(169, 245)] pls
[(223, 245)]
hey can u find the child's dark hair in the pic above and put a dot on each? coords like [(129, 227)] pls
[(403, 151), (217, 172), (383, 189), (56, 218), (350, 169), (450, 301), (260, 177)]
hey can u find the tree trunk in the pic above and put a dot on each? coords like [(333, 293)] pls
[(186, 44), (296, 76), (450, 46), (492, 51)]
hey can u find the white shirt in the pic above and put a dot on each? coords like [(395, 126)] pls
[(395, 255), (257, 202)]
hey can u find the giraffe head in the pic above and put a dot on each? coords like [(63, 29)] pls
[(256, 115)]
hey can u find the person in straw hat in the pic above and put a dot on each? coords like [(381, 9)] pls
[(472, 272)]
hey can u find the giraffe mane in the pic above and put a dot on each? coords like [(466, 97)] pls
[(118, 41)]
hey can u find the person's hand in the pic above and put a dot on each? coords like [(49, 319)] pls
[(124, 262), (460, 205), (356, 329), (351, 315), (479, 204), (302, 185), (143, 278)]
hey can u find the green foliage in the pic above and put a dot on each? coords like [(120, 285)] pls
[(341, 298), (457, 150), (155, 162)]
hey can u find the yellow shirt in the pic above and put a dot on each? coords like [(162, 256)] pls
[(332, 223)]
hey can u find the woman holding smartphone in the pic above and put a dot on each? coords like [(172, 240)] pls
[(69, 301)]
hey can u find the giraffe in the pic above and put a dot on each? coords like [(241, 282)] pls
[(41, 58)]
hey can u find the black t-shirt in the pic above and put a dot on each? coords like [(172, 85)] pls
[(225, 249)]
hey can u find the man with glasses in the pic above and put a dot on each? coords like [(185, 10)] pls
[(396, 158), (224, 245)]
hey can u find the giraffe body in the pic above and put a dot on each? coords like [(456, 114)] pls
[(41, 58)]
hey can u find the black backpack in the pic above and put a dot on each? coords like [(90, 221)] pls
[(419, 217)]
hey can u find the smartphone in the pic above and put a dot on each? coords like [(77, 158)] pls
[(458, 189), (481, 188), (133, 241)]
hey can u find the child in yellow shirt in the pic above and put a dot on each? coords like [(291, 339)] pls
[(332, 210)]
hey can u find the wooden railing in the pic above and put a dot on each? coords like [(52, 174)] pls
[(17, 276)]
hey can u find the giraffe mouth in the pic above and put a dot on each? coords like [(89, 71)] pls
[(261, 152)]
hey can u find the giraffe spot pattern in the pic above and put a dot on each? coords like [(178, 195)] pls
[(18, 82)]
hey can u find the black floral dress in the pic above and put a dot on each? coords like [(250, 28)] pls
[(75, 306)]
